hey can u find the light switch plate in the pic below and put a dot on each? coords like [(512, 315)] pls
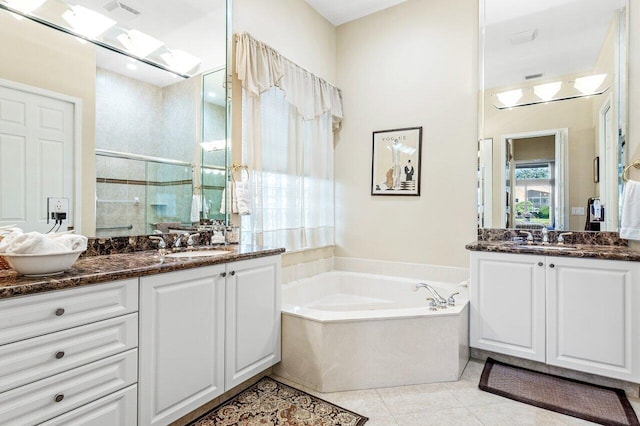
[(577, 211)]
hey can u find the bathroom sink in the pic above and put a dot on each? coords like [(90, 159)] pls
[(199, 253), (546, 248)]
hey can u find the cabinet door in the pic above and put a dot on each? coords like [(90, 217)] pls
[(117, 409), (253, 318), (593, 321), (507, 304), (181, 342)]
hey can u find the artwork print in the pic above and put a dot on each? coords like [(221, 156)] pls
[(396, 162)]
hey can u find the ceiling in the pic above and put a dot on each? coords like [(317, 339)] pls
[(568, 38), (339, 12)]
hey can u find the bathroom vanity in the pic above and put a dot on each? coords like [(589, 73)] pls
[(573, 307), (134, 338)]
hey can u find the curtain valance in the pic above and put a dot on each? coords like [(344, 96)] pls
[(260, 68)]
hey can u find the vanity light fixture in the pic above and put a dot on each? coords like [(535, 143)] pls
[(510, 97), (87, 22), (547, 91), (25, 6), (139, 43), (180, 61), (589, 84)]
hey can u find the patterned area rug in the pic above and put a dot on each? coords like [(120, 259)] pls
[(600, 404), (270, 402)]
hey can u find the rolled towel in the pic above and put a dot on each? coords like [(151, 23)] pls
[(630, 220), (37, 243)]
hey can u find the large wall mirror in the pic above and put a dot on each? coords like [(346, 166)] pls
[(119, 107), (553, 113)]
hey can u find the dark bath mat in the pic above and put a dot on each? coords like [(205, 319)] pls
[(270, 402), (599, 404)]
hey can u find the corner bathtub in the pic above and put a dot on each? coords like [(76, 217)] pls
[(347, 331)]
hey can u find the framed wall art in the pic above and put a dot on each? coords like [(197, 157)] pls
[(395, 165)]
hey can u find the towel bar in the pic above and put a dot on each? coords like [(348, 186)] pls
[(625, 172)]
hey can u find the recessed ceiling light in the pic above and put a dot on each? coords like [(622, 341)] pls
[(132, 67), (589, 84), (510, 97), (139, 43), (87, 22), (547, 91)]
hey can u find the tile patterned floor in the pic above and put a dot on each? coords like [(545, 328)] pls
[(456, 403)]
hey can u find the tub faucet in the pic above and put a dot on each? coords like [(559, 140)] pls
[(441, 301)]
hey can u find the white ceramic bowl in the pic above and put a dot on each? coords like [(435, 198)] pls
[(38, 265)]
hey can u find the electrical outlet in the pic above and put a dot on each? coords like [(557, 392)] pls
[(58, 209)]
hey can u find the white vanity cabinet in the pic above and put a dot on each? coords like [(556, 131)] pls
[(204, 330), (507, 310), (181, 342), (577, 313), (64, 351), (593, 316), (252, 318)]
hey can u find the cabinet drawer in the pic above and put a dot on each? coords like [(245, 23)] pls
[(34, 359), (50, 397), (30, 316), (117, 409)]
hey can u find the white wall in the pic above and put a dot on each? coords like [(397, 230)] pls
[(414, 64), (293, 28)]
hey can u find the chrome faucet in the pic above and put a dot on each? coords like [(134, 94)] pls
[(162, 245), (189, 238), (441, 301), (529, 236), (545, 236), (561, 237)]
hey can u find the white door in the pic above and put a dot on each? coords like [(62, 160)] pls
[(593, 320), (253, 318), (36, 156), (507, 300), (181, 343)]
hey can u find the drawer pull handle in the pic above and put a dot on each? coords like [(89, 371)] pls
[(224, 274), (233, 273), (59, 397), (551, 265), (59, 312), (59, 354), (540, 263)]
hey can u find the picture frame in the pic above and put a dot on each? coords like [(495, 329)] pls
[(396, 162), (596, 169)]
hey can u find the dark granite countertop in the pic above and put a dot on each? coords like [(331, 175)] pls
[(608, 252), (105, 268)]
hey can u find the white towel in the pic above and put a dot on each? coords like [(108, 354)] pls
[(228, 194), (37, 243), (196, 206), (630, 222), (242, 197)]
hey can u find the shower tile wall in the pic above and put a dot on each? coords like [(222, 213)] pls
[(213, 181), (139, 118)]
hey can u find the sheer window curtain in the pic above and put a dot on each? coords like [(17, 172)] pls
[(288, 121)]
